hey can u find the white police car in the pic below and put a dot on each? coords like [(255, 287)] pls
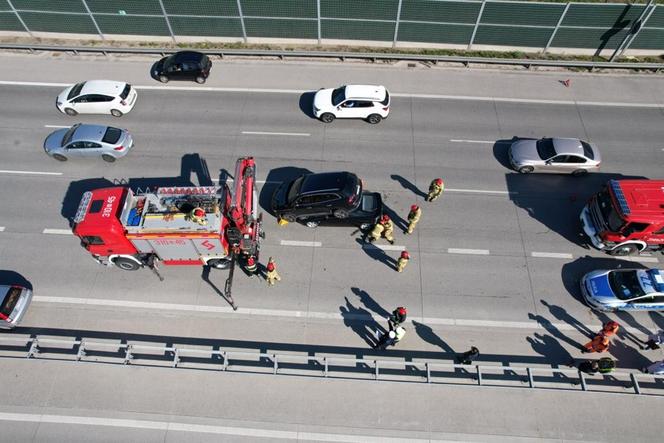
[(624, 289), (368, 102)]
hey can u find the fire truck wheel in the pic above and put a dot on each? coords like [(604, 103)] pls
[(60, 157), (341, 213), (628, 249), (116, 113), (526, 169), (126, 264), (108, 158), (219, 263)]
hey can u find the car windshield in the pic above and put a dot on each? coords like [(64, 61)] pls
[(68, 135), (125, 91), (9, 302), (625, 284), (588, 150), (609, 213), (387, 99), (169, 61), (75, 91), (338, 95), (545, 148), (112, 135), (294, 189)]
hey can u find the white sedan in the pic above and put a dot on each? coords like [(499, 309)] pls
[(368, 102), (97, 97)]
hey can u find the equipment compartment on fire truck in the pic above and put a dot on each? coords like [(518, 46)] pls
[(173, 209)]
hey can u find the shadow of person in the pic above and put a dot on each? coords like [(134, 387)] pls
[(205, 275), (546, 324), (307, 104), (377, 254), (399, 223), (426, 333), (562, 315), (369, 302), (626, 319), (550, 348), (408, 185), (657, 318), (626, 356), (361, 322)]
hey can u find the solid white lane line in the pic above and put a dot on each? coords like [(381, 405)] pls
[(551, 255), (641, 259), (57, 231), (56, 126), (406, 95), (6, 171), (181, 308), (468, 251), (480, 191), (315, 244), (294, 134), (202, 429), (384, 247), (488, 142)]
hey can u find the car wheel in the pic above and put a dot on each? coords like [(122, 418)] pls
[(70, 111), (312, 224), (108, 158), (290, 218), (341, 213), (374, 118), (200, 80), (219, 263), (163, 79), (126, 264), (116, 113), (60, 157), (526, 169), (365, 226), (624, 250), (579, 172), (327, 117)]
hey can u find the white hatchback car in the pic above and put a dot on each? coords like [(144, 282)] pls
[(368, 102), (97, 97)]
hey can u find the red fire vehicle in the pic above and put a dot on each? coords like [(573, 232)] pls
[(626, 217), (186, 225)]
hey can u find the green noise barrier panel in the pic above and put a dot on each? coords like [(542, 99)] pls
[(468, 23)]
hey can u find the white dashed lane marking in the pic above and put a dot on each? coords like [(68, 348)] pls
[(2, 228), (484, 142), (7, 171), (315, 244), (56, 126), (294, 134), (384, 247), (468, 251), (57, 231), (641, 259), (551, 255)]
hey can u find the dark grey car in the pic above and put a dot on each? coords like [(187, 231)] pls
[(83, 140), (556, 155)]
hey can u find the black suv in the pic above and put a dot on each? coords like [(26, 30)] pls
[(183, 65), (312, 198)]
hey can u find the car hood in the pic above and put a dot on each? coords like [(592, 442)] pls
[(323, 98), (598, 284), (525, 151), (159, 66), (54, 141)]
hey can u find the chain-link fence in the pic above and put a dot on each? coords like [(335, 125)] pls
[(464, 23)]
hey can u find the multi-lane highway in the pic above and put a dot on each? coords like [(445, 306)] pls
[(493, 260)]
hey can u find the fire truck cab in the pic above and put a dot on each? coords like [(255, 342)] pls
[(626, 217), (185, 225)]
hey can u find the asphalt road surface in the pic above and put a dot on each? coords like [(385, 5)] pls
[(495, 261)]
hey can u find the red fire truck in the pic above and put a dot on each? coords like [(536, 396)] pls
[(626, 217), (185, 225)]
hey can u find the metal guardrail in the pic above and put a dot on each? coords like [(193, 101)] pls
[(327, 366), (466, 61)]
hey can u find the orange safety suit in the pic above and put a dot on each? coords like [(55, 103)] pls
[(598, 344)]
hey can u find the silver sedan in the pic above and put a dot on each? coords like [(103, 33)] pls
[(556, 155), (83, 140)]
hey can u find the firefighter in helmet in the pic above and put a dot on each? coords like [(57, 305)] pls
[(413, 217), (403, 260), (272, 275), (435, 189)]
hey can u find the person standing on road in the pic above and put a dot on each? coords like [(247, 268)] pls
[(385, 228), (609, 329), (272, 275), (656, 368), (467, 357), (435, 189), (413, 217), (598, 344), (403, 261), (398, 316), (654, 340)]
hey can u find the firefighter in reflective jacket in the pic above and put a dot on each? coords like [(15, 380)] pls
[(272, 275), (384, 227), (413, 217), (403, 261), (435, 189), (251, 266)]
